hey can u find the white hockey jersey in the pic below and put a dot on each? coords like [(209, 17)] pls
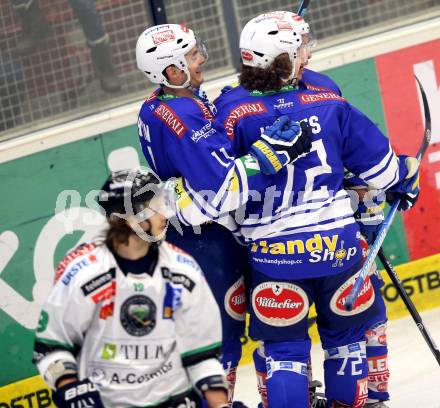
[(133, 335)]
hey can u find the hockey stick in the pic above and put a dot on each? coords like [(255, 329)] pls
[(303, 7), (409, 304), (359, 283)]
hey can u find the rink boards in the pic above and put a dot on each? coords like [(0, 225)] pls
[(52, 181)]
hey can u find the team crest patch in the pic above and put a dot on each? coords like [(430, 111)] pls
[(280, 303), (138, 315), (363, 302), (235, 300)]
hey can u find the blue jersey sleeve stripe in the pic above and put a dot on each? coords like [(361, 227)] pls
[(295, 221), (301, 209), (328, 225)]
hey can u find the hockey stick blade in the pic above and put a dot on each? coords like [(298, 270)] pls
[(374, 249), (427, 134), (302, 10), (409, 304)]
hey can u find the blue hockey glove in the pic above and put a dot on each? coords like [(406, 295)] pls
[(77, 394), (281, 143), (408, 190)]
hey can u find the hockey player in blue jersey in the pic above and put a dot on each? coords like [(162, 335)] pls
[(179, 137), (369, 215), (308, 249)]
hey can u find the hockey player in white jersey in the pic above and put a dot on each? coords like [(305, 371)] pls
[(131, 321)]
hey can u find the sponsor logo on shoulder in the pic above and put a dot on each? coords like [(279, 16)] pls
[(307, 98), (185, 259), (171, 120), (71, 256), (152, 97), (317, 88), (203, 133), (75, 268), (235, 300), (206, 112), (279, 303), (241, 111)]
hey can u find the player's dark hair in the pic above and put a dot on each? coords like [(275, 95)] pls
[(268, 79), (118, 233)]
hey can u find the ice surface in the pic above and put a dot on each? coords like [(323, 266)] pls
[(415, 374)]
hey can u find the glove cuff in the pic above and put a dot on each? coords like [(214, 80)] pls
[(266, 156)]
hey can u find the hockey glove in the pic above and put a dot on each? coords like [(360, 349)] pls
[(409, 189), (370, 216), (368, 205), (281, 143), (77, 394)]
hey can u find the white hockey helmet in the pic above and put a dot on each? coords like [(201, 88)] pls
[(298, 22), (269, 35), (163, 45)]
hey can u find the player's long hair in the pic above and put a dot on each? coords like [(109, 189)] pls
[(272, 78), (118, 232)]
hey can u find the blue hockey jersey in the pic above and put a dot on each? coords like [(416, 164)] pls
[(316, 81), (180, 138), (304, 227)]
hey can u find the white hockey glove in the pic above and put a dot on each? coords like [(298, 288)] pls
[(78, 394)]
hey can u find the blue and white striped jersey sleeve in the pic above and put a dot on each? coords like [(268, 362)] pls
[(367, 152)]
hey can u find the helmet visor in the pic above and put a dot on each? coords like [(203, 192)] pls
[(305, 49), (309, 40), (201, 48)]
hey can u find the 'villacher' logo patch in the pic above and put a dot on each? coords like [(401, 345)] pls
[(235, 300), (363, 302), (279, 303), (138, 315)]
